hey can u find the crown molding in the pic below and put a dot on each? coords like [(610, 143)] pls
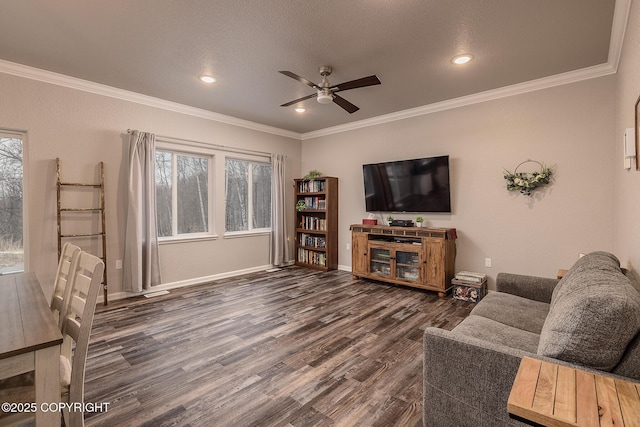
[(490, 95), (618, 28), (620, 18), (125, 95), (517, 89)]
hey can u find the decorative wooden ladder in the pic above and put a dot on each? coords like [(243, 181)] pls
[(102, 234)]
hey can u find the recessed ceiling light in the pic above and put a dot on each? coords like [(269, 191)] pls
[(300, 110), (462, 59), (208, 79)]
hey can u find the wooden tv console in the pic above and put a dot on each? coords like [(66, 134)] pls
[(412, 256)]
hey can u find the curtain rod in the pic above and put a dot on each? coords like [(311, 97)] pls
[(201, 144)]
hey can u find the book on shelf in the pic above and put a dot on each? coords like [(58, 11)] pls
[(312, 257), (312, 186), (313, 223), (314, 202), (311, 240)]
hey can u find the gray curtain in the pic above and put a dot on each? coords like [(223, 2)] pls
[(141, 268), (279, 236)]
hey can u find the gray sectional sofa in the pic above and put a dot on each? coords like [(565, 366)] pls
[(589, 319)]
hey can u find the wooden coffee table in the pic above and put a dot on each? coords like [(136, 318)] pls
[(555, 395)]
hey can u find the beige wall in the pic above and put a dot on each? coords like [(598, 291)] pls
[(571, 126), (592, 204), (83, 129), (627, 183)]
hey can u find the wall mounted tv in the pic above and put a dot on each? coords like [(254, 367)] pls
[(416, 185)]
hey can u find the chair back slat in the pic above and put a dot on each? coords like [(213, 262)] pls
[(78, 319), (63, 281)]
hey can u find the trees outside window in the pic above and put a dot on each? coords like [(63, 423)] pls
[(182, 193), (247, 195), (11, 204)]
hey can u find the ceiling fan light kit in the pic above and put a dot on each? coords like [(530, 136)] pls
[(326, 93), (324, 98)]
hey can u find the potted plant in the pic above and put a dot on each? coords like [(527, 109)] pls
[(389, 219), (419, 221), (301, 205), (313, 173)]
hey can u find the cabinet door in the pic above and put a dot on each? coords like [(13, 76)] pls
[(407, 265), (358, 253), (434, 263), (380, 261)]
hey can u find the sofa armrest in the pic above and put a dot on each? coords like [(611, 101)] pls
[(467, 381), (531, 287)]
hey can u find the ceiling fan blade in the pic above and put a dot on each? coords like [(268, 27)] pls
[(354, 84), (349, 107), (295, 101), (300, 79)]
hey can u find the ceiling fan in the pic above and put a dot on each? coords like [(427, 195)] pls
[(327, 93)]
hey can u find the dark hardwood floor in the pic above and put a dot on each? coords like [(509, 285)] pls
[(295, 347)]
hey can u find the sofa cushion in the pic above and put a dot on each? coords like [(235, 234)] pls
[(498, 333), (593, 260), (512, 310), (632, 278), (629, 365), (594, 314)]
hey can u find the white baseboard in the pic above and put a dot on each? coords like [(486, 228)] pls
[(182, 283)]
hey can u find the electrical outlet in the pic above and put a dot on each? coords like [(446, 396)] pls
[(348, 246), (118, 264), (487, 262)]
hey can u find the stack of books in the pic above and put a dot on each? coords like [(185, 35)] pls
[(467, 277), (469, 286)]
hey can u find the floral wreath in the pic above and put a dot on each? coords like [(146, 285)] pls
[(526, 182)]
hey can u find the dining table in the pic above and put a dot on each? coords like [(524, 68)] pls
[(30, 340)]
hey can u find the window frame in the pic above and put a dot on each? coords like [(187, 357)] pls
[(177, 150), (22, 135), (252, 160)]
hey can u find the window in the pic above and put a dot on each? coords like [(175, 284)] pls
[(11, 204), (182, 193), (248, 195)]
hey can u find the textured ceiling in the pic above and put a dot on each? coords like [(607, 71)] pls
[(160, 47)]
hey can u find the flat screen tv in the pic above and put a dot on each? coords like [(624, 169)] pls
[(416, 185)]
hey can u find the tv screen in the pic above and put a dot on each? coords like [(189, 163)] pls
[(416, 185)]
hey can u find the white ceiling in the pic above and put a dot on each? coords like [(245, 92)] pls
[(159, 48)]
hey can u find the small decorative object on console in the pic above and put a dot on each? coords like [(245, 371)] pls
[(370, 221), (469, 286)]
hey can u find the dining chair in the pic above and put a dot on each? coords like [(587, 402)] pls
[(77, 320), (63, 280)]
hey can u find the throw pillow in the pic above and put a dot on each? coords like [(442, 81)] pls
[(593, 316)]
